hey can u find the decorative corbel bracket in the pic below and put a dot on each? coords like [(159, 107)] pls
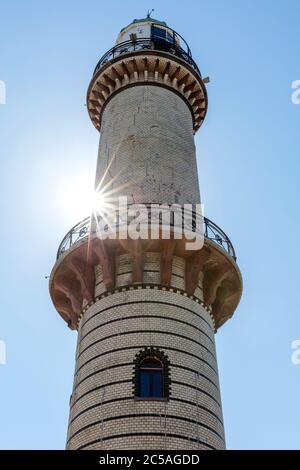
[(194, 265)]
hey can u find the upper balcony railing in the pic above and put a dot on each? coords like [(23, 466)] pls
[(210, 230), (154, 43)]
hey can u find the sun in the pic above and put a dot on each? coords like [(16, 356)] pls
[(98, 202), (79, 199)]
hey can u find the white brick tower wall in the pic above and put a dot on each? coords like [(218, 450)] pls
[(148, 299), (104, 413), (147, 145)]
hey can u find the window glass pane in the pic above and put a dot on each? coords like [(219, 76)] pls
[(169, 37), (144, 384), (158, 32), (156, 384)]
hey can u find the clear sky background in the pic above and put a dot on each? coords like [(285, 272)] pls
[(248, 160)]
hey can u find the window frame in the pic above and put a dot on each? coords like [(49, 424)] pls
[(163, 35), (155, 355), (151, 372)]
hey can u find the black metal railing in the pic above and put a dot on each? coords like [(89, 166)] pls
[(145, 44), (210, 230)]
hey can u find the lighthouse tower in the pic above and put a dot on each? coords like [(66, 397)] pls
[(146, 308)]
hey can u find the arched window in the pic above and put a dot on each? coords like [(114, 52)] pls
[(151, 378), (151, 375)]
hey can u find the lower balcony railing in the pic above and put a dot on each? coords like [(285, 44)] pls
[(209, 229)]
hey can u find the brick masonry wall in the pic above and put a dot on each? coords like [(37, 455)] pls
[(147, 149), (103, 411), (151, 273)]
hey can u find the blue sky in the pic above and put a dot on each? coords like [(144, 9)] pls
[(248, 161)]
